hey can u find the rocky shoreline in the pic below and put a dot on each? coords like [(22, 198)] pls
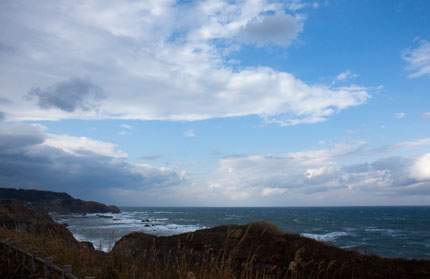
[(256, 250)]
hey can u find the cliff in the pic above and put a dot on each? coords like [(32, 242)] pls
[(55, 202), (15, 215)]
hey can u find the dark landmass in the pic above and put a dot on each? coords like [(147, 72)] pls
[(266, 248), (15, 215), (257, 250), (61, 203)]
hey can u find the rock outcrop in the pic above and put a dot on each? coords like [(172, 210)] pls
[(265, 248), (15, 215), (61, 203)]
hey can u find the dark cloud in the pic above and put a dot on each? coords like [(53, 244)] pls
[(399, 168), (280, 29), (69, 95), (26, 162), (419, 189), (2, 116), (5, 101), (6, 48), (313, 190), (14, 137), (235, 156), (357, 168), (360, 150)]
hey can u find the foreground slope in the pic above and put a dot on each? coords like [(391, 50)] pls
[(258, 250), (261, 248)]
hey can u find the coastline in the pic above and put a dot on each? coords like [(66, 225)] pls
[(256, 250), (372, 231)]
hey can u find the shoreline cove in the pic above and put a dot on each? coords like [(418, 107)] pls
[(251, 250), (373, 230)]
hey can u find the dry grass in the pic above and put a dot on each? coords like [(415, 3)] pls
[(182, 264), (233, 258)]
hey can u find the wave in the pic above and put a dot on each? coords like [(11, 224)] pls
[(388, 232), (327, 236), (98, 244)]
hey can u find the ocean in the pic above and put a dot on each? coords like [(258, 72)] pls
[(385, 231)]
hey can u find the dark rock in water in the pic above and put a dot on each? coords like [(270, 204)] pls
[(104, 216), (55, 202), (264, 247), (65, 224)]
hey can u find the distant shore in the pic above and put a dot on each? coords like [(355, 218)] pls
[(49, 201)]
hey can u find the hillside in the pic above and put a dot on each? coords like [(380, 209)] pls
[(261, 250), (257, 250), (55, 202)]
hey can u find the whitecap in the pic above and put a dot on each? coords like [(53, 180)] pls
[(383, 231), (325, 237)]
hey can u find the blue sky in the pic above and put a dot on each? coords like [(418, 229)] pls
[(217, 103)]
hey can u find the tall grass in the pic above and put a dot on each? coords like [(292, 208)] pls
[(228, 262)]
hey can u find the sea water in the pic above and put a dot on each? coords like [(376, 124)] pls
[(385, 231)]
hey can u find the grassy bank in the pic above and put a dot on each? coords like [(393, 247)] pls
[(89, 262), (257, 250)]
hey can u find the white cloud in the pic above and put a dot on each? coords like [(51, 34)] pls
[(345, 75), (165, 60), (273, 191), (374, 179), (253, 173), (425, 115), (84, 167), (190, 133), (399, 115), (76, 145), (420, 170), (405, 145), (311, 173), (126, 126), (97, 170), (295, 5), (418, 59)]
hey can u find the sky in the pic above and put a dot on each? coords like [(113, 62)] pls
[(217, 103)]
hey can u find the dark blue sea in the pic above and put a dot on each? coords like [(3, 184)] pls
[(385, 231)]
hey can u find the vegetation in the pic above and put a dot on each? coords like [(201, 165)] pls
[(55, 202), (257, 250)]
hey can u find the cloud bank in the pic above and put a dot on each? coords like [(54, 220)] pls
[(157, 60), (31, 158), (91, 169), (320, 176)]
